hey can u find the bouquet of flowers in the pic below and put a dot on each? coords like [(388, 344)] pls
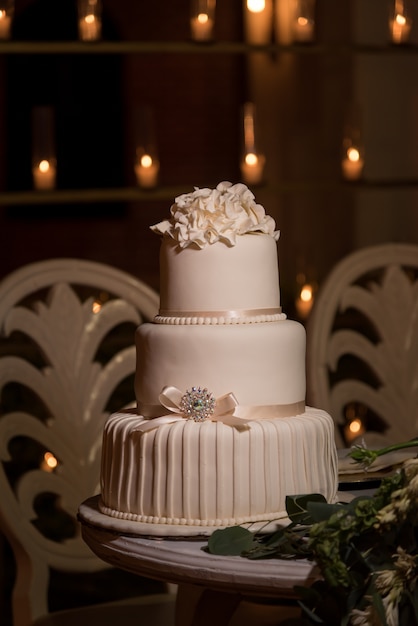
[(366, 550)]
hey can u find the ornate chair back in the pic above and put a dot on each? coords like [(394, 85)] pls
[(362, 350), (67, 359)]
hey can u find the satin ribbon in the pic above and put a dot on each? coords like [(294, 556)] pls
[(269, 411), (227, 411), (239, 313), (170, 398)]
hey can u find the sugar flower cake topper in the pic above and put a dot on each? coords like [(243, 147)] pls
[(206, 216)]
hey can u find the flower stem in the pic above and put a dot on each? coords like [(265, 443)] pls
[(361, 454)]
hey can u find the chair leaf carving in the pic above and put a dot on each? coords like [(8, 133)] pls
[(61, 367), (366, 314)]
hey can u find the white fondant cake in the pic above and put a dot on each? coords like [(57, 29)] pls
[(219, 284), (221, 434), (212, 474)]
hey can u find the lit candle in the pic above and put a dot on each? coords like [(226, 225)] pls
[(352, 164), (49, 462), (44, 175), (256, 6), (400, 27), (147, 172), (90, 27), (303, 29), (252, 163), (202, 27), (354, 429), (305, 301), (5, 25), (252, 168), (259, 21)]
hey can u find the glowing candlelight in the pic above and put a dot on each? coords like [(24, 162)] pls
[(304, 21), (252, 168), (259, 21), (202, 27), (400, 28), (303, 29), (89, 20), (5, 24), (252, 162), (256, 6), (89, 28), (305, 301), (202, 20), (354, 429), (44, 175), (147, 171), (352, 164), (49, 462)]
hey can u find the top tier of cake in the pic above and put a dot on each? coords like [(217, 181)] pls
[(218, 260)]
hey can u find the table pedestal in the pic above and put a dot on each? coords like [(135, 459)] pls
[(212, 590), (199, 606)]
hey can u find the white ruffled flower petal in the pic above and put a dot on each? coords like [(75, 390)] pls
[(210, 215)]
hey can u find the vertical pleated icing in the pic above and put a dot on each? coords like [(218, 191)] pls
[(240, 455), (157, 503), (224, 476), (190, 471), (175, 456), (207, 472), (212, 474), (256, 460)]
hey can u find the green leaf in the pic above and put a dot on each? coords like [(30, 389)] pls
[(275, 539), (321, 511), (231, 541), (313, 617), (297, 507)]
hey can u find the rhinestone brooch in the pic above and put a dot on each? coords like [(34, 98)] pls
[(198, 404)]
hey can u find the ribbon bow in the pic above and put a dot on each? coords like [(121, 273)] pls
[(198, 404)]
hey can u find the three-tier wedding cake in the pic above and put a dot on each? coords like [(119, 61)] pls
[(221, 434)]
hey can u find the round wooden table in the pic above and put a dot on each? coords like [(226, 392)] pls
[(215, 590)]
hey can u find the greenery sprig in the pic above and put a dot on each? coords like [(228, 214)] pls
[(365, 456), (366, 550)]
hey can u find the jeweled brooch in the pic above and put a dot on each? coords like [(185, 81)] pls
[(198, 404)]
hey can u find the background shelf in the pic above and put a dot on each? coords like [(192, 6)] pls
[(190, 47)]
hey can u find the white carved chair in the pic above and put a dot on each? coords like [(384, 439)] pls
[(362, 344), (67, 359)]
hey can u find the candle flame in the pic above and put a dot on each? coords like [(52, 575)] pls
[(96, 307), (400, 19), (203, 18), (306, 293), (2, 14), (355, 426), (256, 6), (49, 462), (146, 161), (302, 21), (353, 155), (251, 159), (44, 166), (89, 19)]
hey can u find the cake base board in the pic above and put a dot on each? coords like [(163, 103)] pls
[(90, 513)]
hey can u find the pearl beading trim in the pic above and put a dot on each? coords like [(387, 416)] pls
[(221, 320)]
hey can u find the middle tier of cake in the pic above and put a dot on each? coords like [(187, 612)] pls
[(262, 364)]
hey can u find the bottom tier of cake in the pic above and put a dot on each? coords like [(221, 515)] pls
[(211, 473)]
